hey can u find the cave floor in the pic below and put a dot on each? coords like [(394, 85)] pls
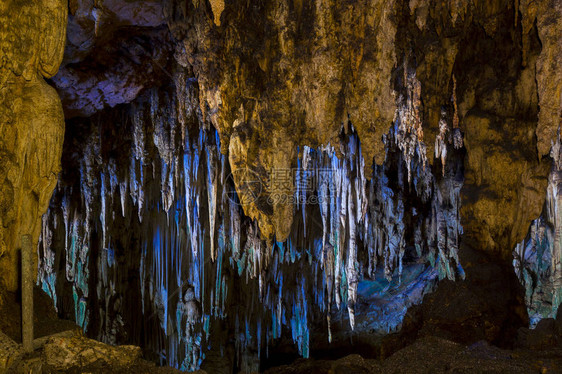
[(437, 355), (425, 355)]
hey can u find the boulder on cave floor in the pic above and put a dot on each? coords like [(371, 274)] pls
[(78, 354), (10, 352), (64, 353), (436, 355), (543, 336)]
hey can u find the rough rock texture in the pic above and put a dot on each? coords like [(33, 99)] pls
[(309, 69), (476, 52), (548, 18), (93, 246), (537, 259), (502, 69), (10, 352), (64, 353), (279, 75), (79, 355), (114, 50), (32, 41), (436, 355), (59, 345), (113, 73), (273, 76), (488, 305), (314, 68)]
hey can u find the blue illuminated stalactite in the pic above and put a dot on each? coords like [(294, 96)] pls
[(537, 260), (196, 253)]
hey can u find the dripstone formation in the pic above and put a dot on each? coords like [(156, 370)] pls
[(253, 179)]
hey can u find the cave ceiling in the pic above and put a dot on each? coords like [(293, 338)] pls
[(297, 73)]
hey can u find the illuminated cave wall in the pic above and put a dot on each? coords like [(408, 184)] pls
[(145, 241), (537, 260)]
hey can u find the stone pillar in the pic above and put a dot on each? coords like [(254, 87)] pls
[(27, 272)]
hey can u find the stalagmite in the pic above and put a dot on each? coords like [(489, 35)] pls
[(537, 260), (27, 292)]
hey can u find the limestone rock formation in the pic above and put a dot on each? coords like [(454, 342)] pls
[(277, 76), (10, 352), (312, 69), (76, 354), (315, 68), (115, 49), (434, 355), (547, 15), (537, 259), (64, 353), (502, 77), (32, 39), (420, 85)]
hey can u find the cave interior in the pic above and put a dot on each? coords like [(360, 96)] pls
[(244, 186)]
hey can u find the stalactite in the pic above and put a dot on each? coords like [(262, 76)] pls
[(537, 260), (177, 236), (409, 134)]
